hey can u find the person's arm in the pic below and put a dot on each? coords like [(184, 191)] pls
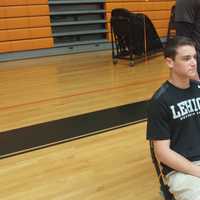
[(174, 160)]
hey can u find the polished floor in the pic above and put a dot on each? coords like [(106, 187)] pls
[(112, 165), (40, 90)]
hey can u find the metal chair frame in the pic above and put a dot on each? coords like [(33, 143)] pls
[(171, 25), (164, 189), (120, 47)]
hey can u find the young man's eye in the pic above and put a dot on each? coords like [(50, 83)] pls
[(186, 58)]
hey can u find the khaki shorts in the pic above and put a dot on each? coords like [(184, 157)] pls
[(184, 186)]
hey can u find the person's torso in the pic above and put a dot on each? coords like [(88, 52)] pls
[(189, 11), (185, 10), (183, 114), (183, 111)]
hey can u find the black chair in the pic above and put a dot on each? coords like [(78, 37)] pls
[(171, 33), (132, 35), (164, 189)]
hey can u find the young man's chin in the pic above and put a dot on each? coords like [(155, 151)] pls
[(193, 75)]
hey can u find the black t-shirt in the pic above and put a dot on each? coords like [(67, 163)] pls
[(185, 10), (174, 114), (189, 11)]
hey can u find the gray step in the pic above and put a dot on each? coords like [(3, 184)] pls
[(81, 43), (78, 22), (80, 32), (78, 12)]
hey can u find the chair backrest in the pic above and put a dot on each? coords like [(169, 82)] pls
[(128, 29), (121, 28), (163, 186)]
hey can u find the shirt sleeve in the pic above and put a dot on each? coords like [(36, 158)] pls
[(158, 123)]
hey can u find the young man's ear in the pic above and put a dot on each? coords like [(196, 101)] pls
[(169, 62)]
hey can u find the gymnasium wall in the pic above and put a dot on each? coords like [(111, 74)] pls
[(25, 24)]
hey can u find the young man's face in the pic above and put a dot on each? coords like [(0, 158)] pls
[(184, 64)]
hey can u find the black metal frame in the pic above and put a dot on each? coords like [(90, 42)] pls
[(164, 189), (171, 25)]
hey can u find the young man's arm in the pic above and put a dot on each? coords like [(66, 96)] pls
[(174, 160)]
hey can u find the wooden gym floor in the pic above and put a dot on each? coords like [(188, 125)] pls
[(111, 165)]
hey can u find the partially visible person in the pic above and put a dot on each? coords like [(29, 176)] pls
[(187, 20), (173, 123)]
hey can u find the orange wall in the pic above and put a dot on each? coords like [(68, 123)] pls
[(157, 10), (24, 25)]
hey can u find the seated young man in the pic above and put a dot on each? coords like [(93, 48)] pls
[(174, 121)]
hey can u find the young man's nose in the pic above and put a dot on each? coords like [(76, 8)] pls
[(193, 62)]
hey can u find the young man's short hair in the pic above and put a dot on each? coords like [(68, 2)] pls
[(174, 43)]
